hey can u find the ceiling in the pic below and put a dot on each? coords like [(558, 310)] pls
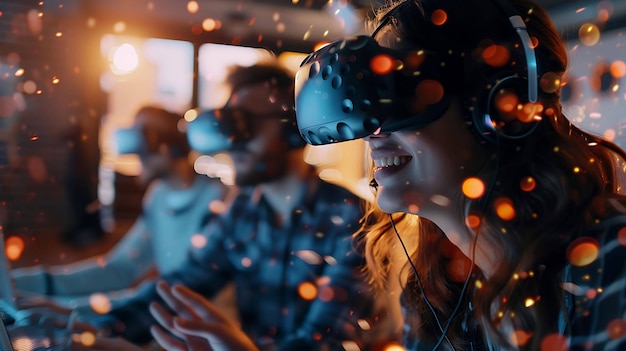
[(277, 24)]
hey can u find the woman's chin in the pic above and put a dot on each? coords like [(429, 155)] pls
[(388, 204)]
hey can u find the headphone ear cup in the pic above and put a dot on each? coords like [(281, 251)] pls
[(502, 112)]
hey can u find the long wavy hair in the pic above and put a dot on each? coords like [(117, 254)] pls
[(551, 178)]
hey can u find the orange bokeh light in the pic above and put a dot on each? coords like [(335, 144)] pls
[(528, 184), (583, 251), (439, 17), (307, 291), (473, 188), (382, 64), (504, 208), (496, 55), (13, 248)]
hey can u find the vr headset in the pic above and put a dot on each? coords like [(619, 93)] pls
[(354, 87), (228, 128), (130, 141)]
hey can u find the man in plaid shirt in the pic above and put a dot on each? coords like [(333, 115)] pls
[(286, 241)]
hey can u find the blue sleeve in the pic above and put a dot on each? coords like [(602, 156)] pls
[(206, 270)]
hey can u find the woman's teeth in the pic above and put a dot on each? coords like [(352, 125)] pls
[(391, 161)]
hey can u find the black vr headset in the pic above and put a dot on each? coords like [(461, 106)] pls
[(343, 94), (225, 129)]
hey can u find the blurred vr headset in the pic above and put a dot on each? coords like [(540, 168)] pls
[(130, 141), (354, 87), (225, 129)]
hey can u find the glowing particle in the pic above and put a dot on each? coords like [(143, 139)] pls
[(326, 293), (100, 303), (589, 34), (618, 69), (382, 64), (504, 208), (520, 337), (58, 34), (473, 188), (394, 347), (550, 82), (428, 92), (87, 338), (29, 87), (478, 284), (307, 291), (193, 6), (13, 247), (439, 17), (209, 24), (246, 262), (616, 329), (198, 241), (119, 27), (554, 342), (364, 324), (496, 55), (350, 345), (529, 302), (309, 256), (19, 72), (591, 294), (473, 221), (55, 80), (583, 251), (609, 134), (528, 184)]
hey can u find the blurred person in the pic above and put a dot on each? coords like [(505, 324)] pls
[(286, 241), (175, 206)]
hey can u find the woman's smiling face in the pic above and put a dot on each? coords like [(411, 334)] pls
[(419, 170)]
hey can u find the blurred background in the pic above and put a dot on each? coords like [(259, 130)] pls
[(73, 71)]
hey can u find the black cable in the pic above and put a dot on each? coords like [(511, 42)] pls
[(444, 330)]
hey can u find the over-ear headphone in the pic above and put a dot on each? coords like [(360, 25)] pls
[(354, 87), (493, 107)]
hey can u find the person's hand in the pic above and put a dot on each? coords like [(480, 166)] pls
[(198, 326)]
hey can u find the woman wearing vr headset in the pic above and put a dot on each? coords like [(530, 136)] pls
[(519, 243)]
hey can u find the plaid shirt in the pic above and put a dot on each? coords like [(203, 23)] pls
[(269, 263)]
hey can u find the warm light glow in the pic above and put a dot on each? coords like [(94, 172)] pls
[(583, 251), (198, 241), (589, 34), (504, 208), (124, 59), (307, 291), (473, 188), (13, 247), (382, 64), (100, 303)]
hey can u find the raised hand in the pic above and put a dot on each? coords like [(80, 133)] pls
[(199, 325)]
